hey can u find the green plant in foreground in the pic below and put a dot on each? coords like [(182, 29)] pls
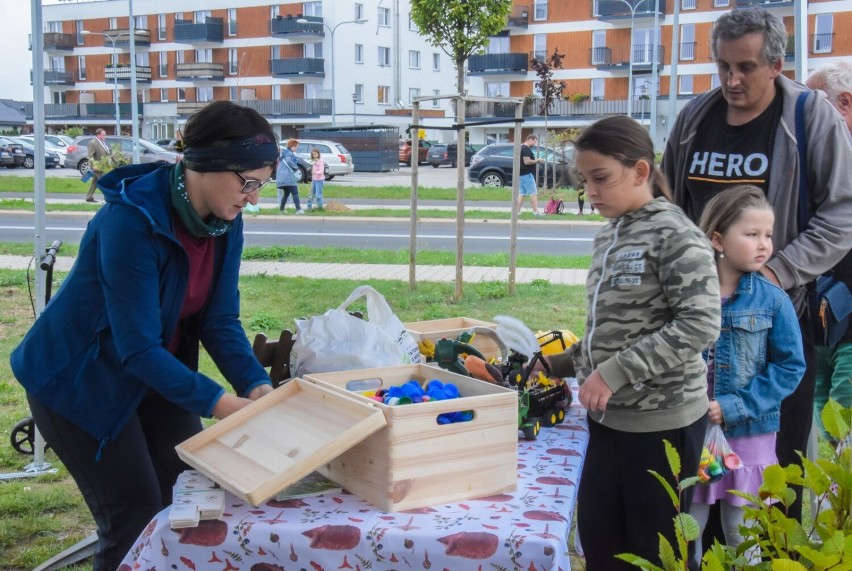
[(773, 541)]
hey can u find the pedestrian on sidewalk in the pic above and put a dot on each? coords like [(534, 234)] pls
[(526, 181), (157, 272), (317, 179), (95, 151), (285, 177)]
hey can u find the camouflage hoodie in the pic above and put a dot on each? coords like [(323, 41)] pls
[(653, 299)]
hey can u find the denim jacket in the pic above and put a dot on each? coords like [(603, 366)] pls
[(758, 357)]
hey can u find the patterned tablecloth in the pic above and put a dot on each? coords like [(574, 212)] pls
[(523, 531)]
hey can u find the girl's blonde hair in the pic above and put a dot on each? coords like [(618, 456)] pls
[(724, 209)]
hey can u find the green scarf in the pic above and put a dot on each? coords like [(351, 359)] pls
[(210, 228)]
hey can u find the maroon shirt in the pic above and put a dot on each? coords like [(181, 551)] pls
[(201, 252)]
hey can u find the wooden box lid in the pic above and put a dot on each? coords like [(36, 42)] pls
[(280, 438)]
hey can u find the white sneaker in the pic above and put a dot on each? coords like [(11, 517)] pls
[(537, 214), (300, 212)]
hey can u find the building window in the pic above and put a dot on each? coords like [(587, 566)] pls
[(178, 17), (232, 21), (204, 94), (233, 61), (823, 32), (81, 67), (359, 93), (204, 56), (413, 92), (233, 93), (181, 94), (384, 17), (140, 22), (540, 10), (715, 81), (411, 25), (78, 31), (312, 9), (164, 64), (179, 57), (721, 3), (687, 42), (164, 94), (359, 53), (436, 62), (599, 51), (274, 11), (312, 51), (413, 59), (161, 27), (359, 11), (435, 102), (597, 92), (384, 56), (383, 95), (685, 85), (496, 88), (540, 46), (687, 4), (113, 23)]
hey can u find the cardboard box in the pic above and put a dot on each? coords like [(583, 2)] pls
[(451, 328), (279, 439), (415, 462)]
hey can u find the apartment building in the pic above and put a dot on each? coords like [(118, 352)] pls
[(609, 42), (301, 64)]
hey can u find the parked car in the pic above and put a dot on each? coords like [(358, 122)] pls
[(48, 146), (335, 155), (58, 140), (303, 173), (51, 159), (405, 151), (11, 153), (492, 166), (446, 155), (148, 152)]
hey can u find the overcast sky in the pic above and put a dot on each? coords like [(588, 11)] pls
[(15, 28)]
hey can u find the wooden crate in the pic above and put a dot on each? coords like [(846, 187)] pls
[(278, 439), (451, 328), (415, 462)]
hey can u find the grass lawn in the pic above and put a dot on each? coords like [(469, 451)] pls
[(39, 517)]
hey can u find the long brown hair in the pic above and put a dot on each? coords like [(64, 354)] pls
[(626, 141)]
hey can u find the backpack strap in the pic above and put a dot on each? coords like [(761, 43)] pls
[(802, 144)]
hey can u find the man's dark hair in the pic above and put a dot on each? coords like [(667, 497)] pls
[(752, 20)]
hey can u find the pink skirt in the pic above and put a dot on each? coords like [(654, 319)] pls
[(756, 453)]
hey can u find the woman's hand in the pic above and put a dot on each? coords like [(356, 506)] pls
[(259, 391), (229, 404), (594, 393), (714, 413)]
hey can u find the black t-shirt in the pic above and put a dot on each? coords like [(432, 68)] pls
[(525, 168), (724, 155)]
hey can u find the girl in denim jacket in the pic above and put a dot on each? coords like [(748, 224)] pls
[(758, 358)]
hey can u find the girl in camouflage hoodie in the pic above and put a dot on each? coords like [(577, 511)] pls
[(653, 307)]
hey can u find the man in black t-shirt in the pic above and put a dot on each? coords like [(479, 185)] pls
[(526, 179)]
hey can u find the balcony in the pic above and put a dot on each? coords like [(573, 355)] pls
[(289, 107), (765, 3), (200, 72), (190, 107), (55, 77), (560, 108), (618, 57), (289, 27), (121, 73), (301, 68), (142, 37), (498, 64), (618, 10), (54, 42), (519, 17), (209, 33), (80, 110)]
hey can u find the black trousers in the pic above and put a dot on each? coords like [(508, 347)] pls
[(621, 508), (287, 192), (133, 479)]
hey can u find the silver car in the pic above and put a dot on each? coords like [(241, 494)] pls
[(335, 155), (76, 157)]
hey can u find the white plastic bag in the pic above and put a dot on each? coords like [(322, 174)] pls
[(338, 341)]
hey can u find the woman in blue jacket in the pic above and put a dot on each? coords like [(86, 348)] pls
[(111, 366)]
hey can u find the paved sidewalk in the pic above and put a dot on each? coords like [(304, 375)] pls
[(472, 274)]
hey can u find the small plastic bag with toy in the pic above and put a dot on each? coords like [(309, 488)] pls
[(717, 457)]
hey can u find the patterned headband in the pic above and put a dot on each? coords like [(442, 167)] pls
[(233, 155)]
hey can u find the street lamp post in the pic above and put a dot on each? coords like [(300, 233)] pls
[(112, 40), (331, 31), (354, 109), (632, 9)]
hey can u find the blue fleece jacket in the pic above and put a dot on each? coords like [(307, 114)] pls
[(102, 341)]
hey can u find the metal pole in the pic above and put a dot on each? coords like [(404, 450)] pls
[(673, 69), (658, 37), (630, 66), (333, 92), (134, 103), (115, 85), (354, 109)]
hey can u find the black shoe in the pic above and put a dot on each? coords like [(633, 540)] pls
[(91, 200)]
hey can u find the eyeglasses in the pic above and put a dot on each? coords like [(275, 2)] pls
[(250, 184)]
